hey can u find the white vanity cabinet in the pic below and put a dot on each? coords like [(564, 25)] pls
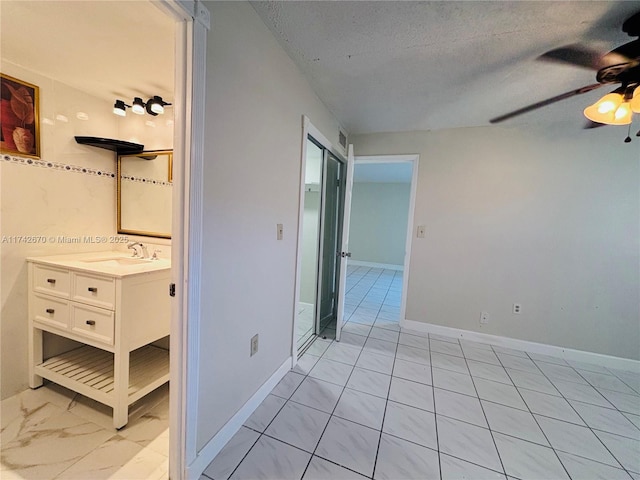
[(116, 309)]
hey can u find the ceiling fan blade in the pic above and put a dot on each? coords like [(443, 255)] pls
[(546, 102), (582, 56)]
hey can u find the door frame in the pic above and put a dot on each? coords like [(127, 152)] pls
[(308, 129), (192, 23), (414, 159)]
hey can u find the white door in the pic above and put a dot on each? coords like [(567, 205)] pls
[(344, 245)]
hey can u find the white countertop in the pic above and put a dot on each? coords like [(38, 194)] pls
[(112, 263)]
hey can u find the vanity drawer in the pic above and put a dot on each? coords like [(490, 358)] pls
[(51, 311), (91, 322), (52, 281), (95, 290)]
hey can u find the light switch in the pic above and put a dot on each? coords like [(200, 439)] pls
[(421, 230), (280, 229)]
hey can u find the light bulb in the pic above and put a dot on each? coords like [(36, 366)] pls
[(119, 108), (607, 106), (138, 106), (157, 105), (157, 108), (623, 114)]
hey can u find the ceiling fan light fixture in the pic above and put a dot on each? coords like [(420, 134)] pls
[(635, 101), (609, 110)]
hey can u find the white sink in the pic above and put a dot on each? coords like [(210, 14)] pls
[(118, 261)]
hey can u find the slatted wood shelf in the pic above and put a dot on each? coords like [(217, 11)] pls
[(89, 371)]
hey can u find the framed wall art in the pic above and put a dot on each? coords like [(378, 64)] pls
[(19, 117)]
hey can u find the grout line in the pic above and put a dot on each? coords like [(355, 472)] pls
[(261, 433), (534, 418), (435, 414), (386, 403), (504, 470), (332, 414), (585, 423)]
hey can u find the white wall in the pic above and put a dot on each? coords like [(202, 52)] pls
[(50, 202), (378, 224), (255, 100), (548, 218)]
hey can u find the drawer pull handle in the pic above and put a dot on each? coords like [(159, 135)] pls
[(50, 310), (93, 289), (52, 281), (91, 322)]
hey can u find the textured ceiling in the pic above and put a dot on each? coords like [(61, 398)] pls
[(110, 49), (399, 65)]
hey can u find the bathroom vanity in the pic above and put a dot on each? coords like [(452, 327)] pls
[(116, 306)]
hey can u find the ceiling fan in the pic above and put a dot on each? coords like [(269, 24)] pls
[(619, 66)]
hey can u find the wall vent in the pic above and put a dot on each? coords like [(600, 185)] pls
[(342, 139)]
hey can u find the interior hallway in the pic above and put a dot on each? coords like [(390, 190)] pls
[(390, 404)]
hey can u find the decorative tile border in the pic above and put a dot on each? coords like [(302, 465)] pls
[(58, 166), (147, 180)]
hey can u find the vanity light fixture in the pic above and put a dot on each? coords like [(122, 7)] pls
[(138, 106), (120, 108), (154, 106)]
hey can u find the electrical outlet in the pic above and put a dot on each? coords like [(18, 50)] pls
[(280, 231), (421, 231), (484, 318), (517, 308), (254, 345)]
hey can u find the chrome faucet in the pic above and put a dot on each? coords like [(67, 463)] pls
[(144, 253)]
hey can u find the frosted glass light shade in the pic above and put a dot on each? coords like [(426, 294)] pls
[(157, 105), (635, 101), (119, 108), (157, 108), (138, 106), (610, 109)]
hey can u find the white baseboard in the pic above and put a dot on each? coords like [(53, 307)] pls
[(386, 266), (217, 443), (532, 347)]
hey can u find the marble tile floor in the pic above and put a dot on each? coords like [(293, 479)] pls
[(385, 403), (54, 433)]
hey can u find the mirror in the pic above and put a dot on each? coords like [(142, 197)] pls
[(310, 245), (144, 193)]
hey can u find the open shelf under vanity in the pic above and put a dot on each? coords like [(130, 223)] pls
[(89, 371)]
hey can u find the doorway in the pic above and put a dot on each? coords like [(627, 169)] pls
[(380, 238), (97, 179), (320, 237)]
